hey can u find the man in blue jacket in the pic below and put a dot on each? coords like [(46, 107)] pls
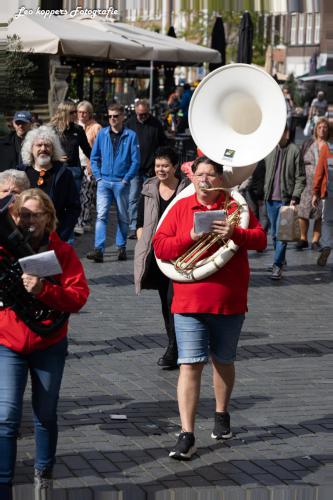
[(115, 159)]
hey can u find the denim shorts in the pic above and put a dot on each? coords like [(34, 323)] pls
[(199, 335)]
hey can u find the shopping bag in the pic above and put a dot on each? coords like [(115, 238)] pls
[(307, 132), (288, 224)]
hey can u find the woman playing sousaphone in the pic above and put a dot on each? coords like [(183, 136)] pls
[(208, 313)]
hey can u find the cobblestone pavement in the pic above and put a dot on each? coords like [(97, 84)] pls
[(281, 407)]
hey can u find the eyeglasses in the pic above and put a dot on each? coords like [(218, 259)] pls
[(31, 215), (210, 176), (142, 115), (40, 180), (113, 116)]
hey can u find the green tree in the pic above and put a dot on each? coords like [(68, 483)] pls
[(16, 68)]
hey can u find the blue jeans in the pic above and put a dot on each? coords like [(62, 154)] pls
[(46, 369), (107, 191), (197, 334), (134, 194), (280, 247), (77, 175)]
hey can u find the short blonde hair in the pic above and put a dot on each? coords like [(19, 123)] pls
[(44, 200)]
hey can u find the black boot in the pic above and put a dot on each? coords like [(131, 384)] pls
[(169, 358)]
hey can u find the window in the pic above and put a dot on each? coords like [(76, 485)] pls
[(301, 22), (293, 29), (317, 29), (309, 22)]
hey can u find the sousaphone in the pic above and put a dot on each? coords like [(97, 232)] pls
[(237, 116)]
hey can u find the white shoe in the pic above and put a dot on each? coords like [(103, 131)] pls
[(78, 230), (276, 273), (43, 485)]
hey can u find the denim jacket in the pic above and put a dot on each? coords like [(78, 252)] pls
[(121, 166)]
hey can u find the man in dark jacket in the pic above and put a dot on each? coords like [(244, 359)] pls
[(150, 136), (10, 145), (41, 155), (284, 183)]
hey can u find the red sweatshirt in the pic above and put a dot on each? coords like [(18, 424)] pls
[(224, 292), (69, 296)]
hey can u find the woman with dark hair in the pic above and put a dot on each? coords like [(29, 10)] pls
[(23, 351), (156, 195)]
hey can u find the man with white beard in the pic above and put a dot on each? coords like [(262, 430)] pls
[(42, 157)]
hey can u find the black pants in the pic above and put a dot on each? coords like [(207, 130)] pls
[(165, 290)]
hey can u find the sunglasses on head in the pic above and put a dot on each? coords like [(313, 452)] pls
[(40, 180)]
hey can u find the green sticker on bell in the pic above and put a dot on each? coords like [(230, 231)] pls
[(229, 153)]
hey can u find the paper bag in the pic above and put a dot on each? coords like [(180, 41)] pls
[(288, 225)]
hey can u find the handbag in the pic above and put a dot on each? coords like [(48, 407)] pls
[(288, 224), (307, 132)]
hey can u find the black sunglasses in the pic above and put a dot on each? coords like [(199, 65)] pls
[(113, 116)]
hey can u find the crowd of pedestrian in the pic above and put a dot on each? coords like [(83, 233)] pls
[(56, 178)]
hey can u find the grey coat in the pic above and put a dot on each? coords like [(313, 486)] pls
[(293, 178), (151, 211)]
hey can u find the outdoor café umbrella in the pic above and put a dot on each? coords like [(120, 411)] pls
[(218, 42), (244, 53)]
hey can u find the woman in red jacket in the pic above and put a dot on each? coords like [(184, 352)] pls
[(323, 189), (23, 351)]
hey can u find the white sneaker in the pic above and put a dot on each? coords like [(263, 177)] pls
[(276, 273), (78, 230), (43, 485)]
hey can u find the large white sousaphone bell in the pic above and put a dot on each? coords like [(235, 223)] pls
[(237, 116)]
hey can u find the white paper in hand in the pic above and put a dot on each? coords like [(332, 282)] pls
[(41, 264), (204, 220)]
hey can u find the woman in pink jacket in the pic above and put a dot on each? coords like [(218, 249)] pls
[(88, 187)]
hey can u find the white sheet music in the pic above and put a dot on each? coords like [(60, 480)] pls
[(41, 264), (203, 220)]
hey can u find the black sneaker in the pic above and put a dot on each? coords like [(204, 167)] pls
[(185, 447), (323, 256), (132, 235), (95, 255), (122, 253), (222, 426)]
